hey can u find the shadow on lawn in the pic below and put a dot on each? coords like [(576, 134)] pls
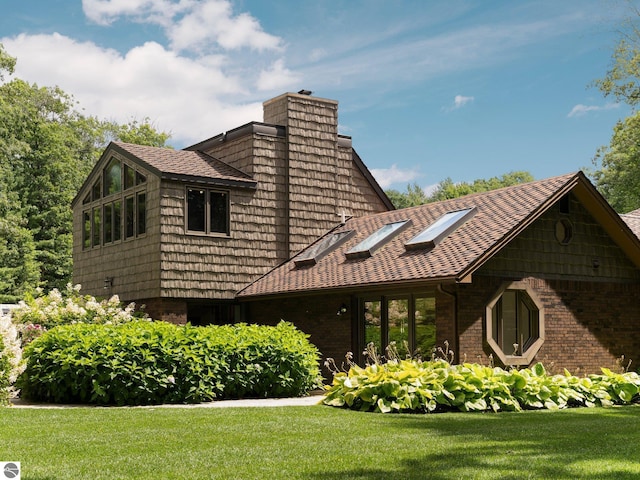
[(569, 444)]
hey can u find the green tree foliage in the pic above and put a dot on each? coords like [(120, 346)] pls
[(447, 189), (617, 174), (47, 148), (618, 177), (622, 80), (414, 195)]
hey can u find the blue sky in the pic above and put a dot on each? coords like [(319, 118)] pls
[(427, 89)]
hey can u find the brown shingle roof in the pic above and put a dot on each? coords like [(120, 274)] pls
[(184, 164), (633, 220), (500, 216)]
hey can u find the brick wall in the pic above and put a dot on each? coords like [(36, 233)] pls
[(588, 325), (314, 315)]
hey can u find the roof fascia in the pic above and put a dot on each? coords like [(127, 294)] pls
[(380, 287), (222, 182)]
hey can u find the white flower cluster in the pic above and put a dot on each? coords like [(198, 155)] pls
[(12, 353), (57, 308)]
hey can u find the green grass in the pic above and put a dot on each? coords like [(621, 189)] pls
[(319, 443)]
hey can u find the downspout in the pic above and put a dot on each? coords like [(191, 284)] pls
[(287, 196), (454, 296)]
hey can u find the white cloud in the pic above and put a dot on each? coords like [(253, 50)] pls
[(192, 99), (189, 24), (105, 12), (201, 83), (277, 77), (213, 20), (580, 110), (389, 176), (460, 101)]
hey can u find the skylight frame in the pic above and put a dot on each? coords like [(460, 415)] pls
[(323, 247), (444, 226), (377, 239)]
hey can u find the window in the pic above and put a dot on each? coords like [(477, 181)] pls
[(515, 324), (207, 211), (440, 229), (563, 231), (96, 191), (86, 229), (377, 239), (408, 320), (95, 227), (313, 254), (113, 177), (141, 213), (109, 213), (129, 177)]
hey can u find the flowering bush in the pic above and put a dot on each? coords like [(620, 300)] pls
[(11, 364), (36, 315)]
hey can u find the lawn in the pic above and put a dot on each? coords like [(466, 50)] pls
[(319, 443)]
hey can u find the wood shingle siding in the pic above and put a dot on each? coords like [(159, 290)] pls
[(286, 180)]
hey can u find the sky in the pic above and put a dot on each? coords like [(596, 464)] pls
[(427, 89)]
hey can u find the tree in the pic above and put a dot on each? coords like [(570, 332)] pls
[(47, 148), (617, 174), (622, 80), (618, 178), (447, 189), (414, 195)]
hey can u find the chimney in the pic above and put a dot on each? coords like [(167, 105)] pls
[(316, 173)]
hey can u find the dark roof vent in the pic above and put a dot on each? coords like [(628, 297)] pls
[(305, 92)]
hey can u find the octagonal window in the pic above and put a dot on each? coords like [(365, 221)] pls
[(515, 324)]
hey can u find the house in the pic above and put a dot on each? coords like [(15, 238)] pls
[(281, 219), (182, 231), (543, 271)]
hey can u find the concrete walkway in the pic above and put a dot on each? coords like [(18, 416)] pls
[(313, 399)]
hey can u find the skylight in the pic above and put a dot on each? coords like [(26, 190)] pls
[(440, 229), (313, 254), (377, 239)]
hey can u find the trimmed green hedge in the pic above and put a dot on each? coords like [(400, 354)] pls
[(415, 386), (143, 362)]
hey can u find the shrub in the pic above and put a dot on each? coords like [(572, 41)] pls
[(436, 385), (36, 315), (11, 364), (142, 362)]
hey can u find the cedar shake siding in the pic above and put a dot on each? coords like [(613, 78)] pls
[(132, 264), (286, 182), (310, 173)]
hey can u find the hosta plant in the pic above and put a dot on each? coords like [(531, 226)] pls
[(436, 385)]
